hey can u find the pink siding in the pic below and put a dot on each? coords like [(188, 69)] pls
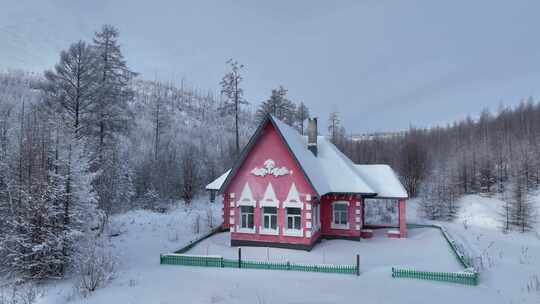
[(269, 146), (327, 216)]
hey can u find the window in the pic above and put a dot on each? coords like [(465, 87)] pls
[(270, 218), (246, 217), (294, 218), (340, 215)]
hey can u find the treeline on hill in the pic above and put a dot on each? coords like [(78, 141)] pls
[(89, 138), (494, 154)]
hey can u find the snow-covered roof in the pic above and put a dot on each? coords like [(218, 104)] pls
[(339, 170), (216, 184), (383, 180), (309, 163), (330, 171)]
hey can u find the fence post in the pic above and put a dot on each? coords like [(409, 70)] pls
[(357, 264), (239, 257)]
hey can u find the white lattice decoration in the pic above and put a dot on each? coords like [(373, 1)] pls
[(270, 168)]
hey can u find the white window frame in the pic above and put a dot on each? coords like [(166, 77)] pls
[(271, 231), (293, 231), (340, 226), (241, 216)]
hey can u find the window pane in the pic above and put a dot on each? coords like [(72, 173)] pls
[(250, 220), (340, 207), (243, 223), (344, 218), (266, 222), (270, 210), (294, 211), (289, 222), (246, 209), (274, 222), (297, 222)]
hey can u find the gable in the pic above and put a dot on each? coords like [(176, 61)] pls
[(268, 160)]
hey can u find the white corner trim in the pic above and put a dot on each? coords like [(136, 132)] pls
[(269, 167), (308, 224), (293, 232), (358, 204), (308, 197), (231, 195), (231, 204), (231, 220), (308, 234), (358, 211), (308, 215), (232, 212), (357, 227), (358, 219), (308, 206)]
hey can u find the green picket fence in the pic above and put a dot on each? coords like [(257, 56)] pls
[(218, 261), (454, 277)]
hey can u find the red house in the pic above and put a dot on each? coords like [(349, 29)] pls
[(288, 190)]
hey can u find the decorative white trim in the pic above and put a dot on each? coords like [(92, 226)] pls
[(308, 215), (358, 219), (293, 196), (231, 204), (231, 221), (308, 224), (293, 205), (357, 227), (308, 206), (358, 211), (268, 231), (269, 198), (245, 230), (232, 212), (246, 198), (270, 168), (231, 195), (308, 234), (358, 204), (293, 232), (308, 197)]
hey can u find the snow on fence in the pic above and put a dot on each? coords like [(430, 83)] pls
[(218, 261), (468, 278)]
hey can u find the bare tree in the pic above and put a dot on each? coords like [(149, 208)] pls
[(234, 96)]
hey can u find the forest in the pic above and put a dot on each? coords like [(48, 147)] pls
[(90, 138)]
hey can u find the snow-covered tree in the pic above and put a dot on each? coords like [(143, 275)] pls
[(278, 105), (302, 114), (232, 90)]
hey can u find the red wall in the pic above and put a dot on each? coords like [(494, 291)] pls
[(268, 146), (327, 215)]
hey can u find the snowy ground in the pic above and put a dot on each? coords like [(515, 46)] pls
[(375, 254), (510, 263)]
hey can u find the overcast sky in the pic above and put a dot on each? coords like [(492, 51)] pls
[(382, 64)]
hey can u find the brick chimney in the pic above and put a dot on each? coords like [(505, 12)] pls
[(312, 135)]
